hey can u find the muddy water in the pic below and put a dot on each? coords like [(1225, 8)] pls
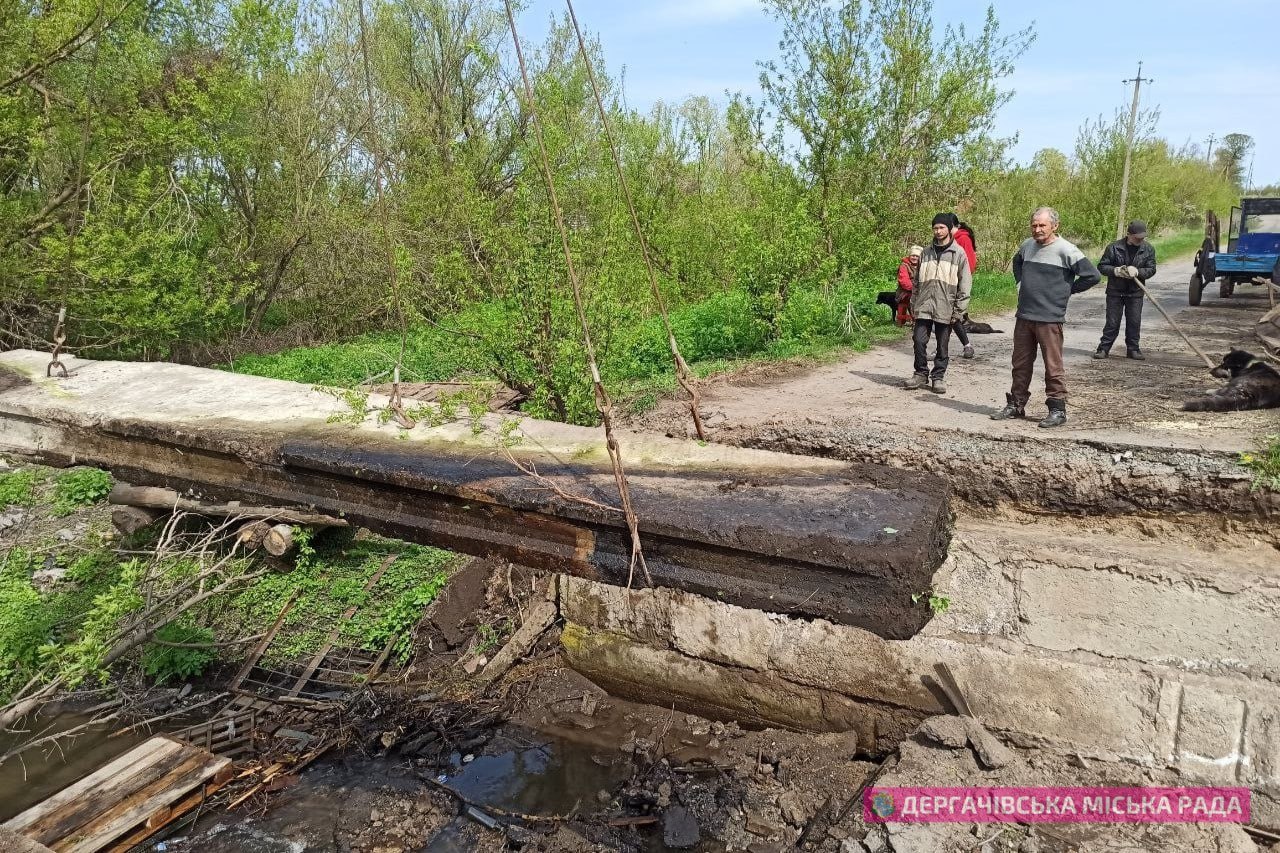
[(38, 773), (336, 802), (534, 773)]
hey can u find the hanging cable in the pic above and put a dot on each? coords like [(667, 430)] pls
[(396, 404), (683, 375), (60, 326), (604, 406), (59, 337)]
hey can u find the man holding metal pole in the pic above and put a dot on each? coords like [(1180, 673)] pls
[(1126, 262)]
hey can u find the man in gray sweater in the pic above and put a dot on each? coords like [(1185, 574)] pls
[(1048, 270)]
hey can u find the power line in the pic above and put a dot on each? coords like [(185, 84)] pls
[(1128, 146)]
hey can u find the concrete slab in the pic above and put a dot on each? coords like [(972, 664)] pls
[(1151, 591), (1017, 689), (845, 541)]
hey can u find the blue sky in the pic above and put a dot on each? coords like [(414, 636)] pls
[(1072, 72)]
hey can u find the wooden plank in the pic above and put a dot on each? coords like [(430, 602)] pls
[(68, 820), (159, 821), (337, 629), (198, 766), (89, 830), (252, 660), (13, 842), (151, 749)]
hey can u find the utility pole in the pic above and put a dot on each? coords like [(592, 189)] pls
[(1128, 145), (1208, 158)]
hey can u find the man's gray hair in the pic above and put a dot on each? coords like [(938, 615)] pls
[(1049, 211)]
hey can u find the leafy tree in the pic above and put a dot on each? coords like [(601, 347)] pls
[(1231, 156)]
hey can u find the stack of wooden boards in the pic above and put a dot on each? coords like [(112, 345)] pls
[(125, 801)]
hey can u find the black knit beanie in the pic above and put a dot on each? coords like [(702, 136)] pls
[(948, 219)]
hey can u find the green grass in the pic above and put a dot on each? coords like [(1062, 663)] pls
[(716, 335), (430, 356), (79, 487), (330, 580), (1178, 245), (18, 488), (1264, 463), (992, 292)]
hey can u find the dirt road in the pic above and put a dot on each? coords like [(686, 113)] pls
[(1117, 401)]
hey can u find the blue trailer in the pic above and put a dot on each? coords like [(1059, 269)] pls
[(1253, 249)]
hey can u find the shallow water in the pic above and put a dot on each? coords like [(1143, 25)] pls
[(38, 773), (518, 771)]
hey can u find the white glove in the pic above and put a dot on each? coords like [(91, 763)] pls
[(1122, 272), (1132, 272)]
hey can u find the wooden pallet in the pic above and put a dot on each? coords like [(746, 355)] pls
[(124, 802)]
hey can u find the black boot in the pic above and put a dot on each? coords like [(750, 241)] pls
[(1101, 353), (1010, 410), (1057, 414), (1136, 354)]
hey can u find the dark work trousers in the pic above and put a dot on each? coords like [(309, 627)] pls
[(920, 337), (961, 334), (1130, 305), (1028, 336)]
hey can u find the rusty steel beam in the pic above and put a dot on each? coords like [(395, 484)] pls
[(851, 543)]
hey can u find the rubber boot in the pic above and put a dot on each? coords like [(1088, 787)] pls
[(1057, 414)]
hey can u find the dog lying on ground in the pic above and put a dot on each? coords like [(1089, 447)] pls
[(889, 298), (1252, 384), (979, 328)]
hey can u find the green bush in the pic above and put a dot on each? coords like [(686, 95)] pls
[(25, 621), (79, 487), (721, 326), (18, 488), (190, 653)]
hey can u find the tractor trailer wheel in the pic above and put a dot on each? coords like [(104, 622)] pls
[(1196, 288)]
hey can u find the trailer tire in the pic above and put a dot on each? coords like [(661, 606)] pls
[(1196, 288)]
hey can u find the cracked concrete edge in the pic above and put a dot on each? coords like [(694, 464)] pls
[(988, 471), (1101, 710)]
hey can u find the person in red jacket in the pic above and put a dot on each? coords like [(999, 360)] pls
[(963, 235), (907, 271)]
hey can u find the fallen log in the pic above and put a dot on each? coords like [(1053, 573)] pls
[(252, 534), (537, 620), (168, 499), (279, 540)]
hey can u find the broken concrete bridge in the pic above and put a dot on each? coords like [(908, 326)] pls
[(847, 542)]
